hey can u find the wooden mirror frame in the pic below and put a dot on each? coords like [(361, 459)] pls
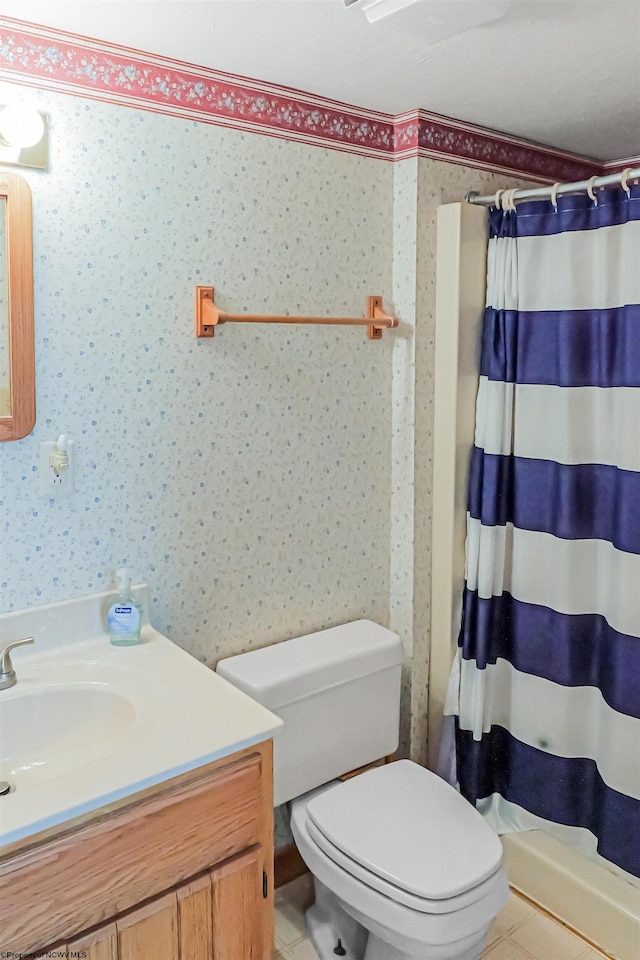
[(22, 368)]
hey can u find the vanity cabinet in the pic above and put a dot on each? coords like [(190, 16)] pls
[(183, 871), (216, 916)]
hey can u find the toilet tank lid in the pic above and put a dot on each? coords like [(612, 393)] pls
[(288, 671)]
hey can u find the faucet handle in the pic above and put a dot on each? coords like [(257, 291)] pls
[(6, 667)]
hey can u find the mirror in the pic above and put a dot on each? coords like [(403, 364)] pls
[(5, 391), (17, 355)]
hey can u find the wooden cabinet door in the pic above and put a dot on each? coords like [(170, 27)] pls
[(150, 932), (241, 930), (194, 919), (220, 915), (100, 944)]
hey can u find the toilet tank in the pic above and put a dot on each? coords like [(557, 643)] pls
[(338, 692)]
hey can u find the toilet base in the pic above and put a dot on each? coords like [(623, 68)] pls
[(329, 923), (378, 949)]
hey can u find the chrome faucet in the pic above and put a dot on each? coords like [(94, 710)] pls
[(7, 673)]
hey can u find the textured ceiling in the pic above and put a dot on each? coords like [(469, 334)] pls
[(562, 72)]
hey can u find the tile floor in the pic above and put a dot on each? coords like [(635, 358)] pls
[(519, 932)]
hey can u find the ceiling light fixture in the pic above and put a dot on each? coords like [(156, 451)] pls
[(431, 21)]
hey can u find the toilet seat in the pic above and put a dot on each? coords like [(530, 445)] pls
[(393, 892), (403, 830), (448, 932)]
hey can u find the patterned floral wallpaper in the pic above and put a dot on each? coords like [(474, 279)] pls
[(245, 478), (270, 481)]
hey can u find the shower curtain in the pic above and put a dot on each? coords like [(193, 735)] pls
[(546, 686)]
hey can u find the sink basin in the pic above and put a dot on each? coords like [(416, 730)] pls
[(89, 724), (48, 733)]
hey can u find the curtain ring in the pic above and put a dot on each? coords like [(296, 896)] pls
[(508, 200), (590, 190), (498, 198), (624, 181), (554, 196)]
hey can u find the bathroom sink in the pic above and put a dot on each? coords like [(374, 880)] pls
[(88, 724), (47, 733)]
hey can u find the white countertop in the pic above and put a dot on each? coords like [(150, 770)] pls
[(164, 714)]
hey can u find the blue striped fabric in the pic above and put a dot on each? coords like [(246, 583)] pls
[(536, 218), (577, 501), (571, 649), (548, 704), (579, 348), (558, 789)]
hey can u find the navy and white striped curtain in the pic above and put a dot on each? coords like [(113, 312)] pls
[(546, 687)]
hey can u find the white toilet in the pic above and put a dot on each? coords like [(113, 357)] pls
[(403, 866)]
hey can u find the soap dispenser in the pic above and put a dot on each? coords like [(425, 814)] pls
[(124, 617)]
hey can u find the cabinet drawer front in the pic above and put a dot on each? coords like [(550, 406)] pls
[(99, 870)]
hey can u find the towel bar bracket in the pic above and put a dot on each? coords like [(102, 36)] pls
[(207, 314), (375, 312)]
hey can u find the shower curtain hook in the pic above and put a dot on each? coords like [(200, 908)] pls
[(498, 198), (624, 181), (509, 200), (554, 196), (590, 191)]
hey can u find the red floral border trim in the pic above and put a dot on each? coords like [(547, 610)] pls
[(73, 65), (37, 56), (440, 137)]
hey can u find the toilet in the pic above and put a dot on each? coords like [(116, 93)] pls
[(404, 867)]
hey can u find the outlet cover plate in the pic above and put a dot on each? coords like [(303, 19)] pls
[(50, 485)]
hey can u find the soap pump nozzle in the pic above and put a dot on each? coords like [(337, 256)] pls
[(123, 581)]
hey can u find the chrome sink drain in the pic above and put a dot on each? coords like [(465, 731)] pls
[(5, 787)]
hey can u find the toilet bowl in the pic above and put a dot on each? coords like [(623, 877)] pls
[(404, 868), (413, 879)]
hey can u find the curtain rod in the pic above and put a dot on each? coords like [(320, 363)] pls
[(558, 189)]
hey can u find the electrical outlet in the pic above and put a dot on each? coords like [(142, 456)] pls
[(54, 484)]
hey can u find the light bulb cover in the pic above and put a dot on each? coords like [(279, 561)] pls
[(20, 125)]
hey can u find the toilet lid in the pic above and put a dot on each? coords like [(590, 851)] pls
[(405, 824)]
